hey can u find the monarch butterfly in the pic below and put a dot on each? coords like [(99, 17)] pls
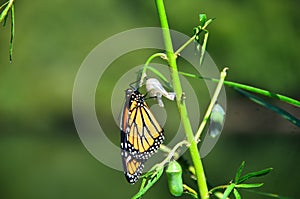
[(141, 135)]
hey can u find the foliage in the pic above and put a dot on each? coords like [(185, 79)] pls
[(239, 181), (9, 7), (150, 178)]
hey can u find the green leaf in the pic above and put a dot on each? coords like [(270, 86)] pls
[(236, 194), (254, 174), (249, 88), (202, 18), (239, 172), (149, 179), (203, 48), (218, 195), (3, 5), (5, 10), (191, 194), (263, 92), (249, 186), (4, 20), (12, 32), (189, 191), (3, 17), (228, 190), (271, 195), (278, 110)]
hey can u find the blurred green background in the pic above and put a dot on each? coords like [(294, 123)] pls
[(41, 153)]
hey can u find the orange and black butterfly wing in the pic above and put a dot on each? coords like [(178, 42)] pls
[(141, 135), (145, 134), (133, 167)]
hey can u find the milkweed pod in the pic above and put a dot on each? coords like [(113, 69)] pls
[(174, 173), (217, 118)]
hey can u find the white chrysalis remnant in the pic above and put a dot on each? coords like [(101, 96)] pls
[(155, 89), (216, 120)]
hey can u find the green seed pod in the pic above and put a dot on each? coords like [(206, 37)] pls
[(174, 173)]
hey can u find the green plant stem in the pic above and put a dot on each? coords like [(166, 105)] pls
[(201, 180), (146, 66), (190, 191), (211, 105), (203, 49), (262, 92), (249, 88), (181, 48), (167, 150), (218, 188), (172, 153), (286, 115)]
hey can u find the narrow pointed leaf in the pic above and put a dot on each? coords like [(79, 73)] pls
[(4, 20), (239, 172), (12, 32), (203, 48), (249, 88), (191, 194), (276, 109), (189, 191), (147, 183), (249, 186), (271, 195), (236, 194), (254, 174), (218, 195), (228, 191), (3, 5), (5, 10)]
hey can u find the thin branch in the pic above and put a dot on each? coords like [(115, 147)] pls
[(211, 105)]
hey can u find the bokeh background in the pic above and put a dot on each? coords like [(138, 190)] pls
[(41, 153)]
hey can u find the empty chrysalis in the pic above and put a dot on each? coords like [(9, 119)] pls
[(155, 89), (216, 120)]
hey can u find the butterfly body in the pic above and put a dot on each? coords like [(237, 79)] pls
[(141, 134)]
